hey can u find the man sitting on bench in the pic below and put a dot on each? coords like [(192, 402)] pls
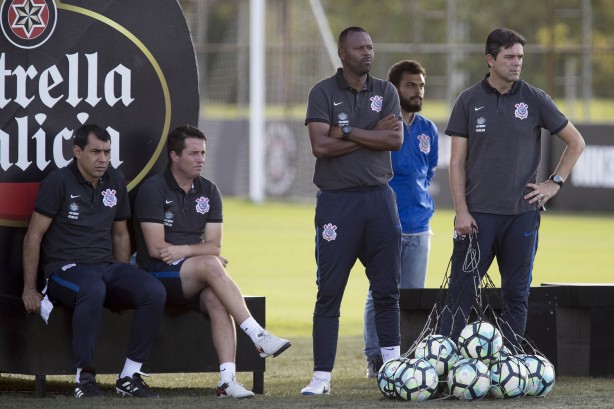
[(79, 225), (178, 228)]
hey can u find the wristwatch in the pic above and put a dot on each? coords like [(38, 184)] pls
[(557, 179), (346, 130)]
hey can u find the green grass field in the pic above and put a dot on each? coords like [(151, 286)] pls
[(284, 378), (270, 248), (434, 109), (271, 253)]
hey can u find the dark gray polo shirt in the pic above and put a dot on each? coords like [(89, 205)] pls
[(184, 215), (504, 143), (82, 216), (334, 102)]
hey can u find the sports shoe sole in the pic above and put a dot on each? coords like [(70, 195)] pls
[(276, 353), (235, 397), (325, 392)]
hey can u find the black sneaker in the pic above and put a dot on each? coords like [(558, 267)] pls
[(373, 367), (134, 386), (87, 387)]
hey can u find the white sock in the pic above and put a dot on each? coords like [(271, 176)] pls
[(251, 328), (389, 353), (322, 375), (130, 368), (78, 375), (227, 371)]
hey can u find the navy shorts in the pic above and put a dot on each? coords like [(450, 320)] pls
[(168, 274)]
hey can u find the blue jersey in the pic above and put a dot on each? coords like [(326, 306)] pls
[(414, 166)]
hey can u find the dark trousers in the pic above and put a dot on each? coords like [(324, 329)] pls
[(355, 225), (118, 286), (513, 241)]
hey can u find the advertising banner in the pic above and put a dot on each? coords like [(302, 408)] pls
[(128, 66)]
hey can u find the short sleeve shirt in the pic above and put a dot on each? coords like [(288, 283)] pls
[(82, 216), (504, 143), (184, 215), (334, 102)]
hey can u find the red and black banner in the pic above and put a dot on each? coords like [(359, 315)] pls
[(128, 66)]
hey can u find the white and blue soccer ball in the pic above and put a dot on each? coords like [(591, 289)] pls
[(540, 375), (386, 377), (440, 351), (503, 353), (469, 379), (480, 340), (416, 380), (508, 377)]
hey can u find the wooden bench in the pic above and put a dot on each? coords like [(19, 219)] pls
[(571, 324), (29, 347)]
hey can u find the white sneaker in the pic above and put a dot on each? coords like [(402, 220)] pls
[(317, 386), (232, 389), (268, 344)]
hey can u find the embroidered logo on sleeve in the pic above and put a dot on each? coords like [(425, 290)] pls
[(329, 232), (376, 103), (522, 110), (202, 205), (110, 199)]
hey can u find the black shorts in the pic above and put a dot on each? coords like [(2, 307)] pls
[(168, 274)]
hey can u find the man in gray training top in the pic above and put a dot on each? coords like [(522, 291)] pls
[(496, 148), (354, 121)]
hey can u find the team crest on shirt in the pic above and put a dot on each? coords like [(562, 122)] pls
[(202, 205), (329, 232), (376, 103), (522, 110), (110, 199), (73, 211), (424, 142), (480, 124)]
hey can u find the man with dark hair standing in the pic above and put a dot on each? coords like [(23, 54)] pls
[(79, 225), (354, 121), (413, 166), (179, 241), (496, 148)]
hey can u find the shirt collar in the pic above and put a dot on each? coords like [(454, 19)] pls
[(342, 83), (172, 183), (488, 88), (72, 166)]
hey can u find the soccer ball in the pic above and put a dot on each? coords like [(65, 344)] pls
[(540, 378), (480, 340), (504, 352), (416, 380), (440, 351), (469, 379), (386, 379), (508, 377)]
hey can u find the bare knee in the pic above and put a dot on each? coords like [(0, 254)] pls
[(210, 302), (211, 269)]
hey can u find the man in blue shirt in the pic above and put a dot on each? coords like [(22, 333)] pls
[(414, 167)]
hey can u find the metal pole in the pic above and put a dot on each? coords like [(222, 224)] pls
[(587, 62), (257, 100), (325, 32)]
